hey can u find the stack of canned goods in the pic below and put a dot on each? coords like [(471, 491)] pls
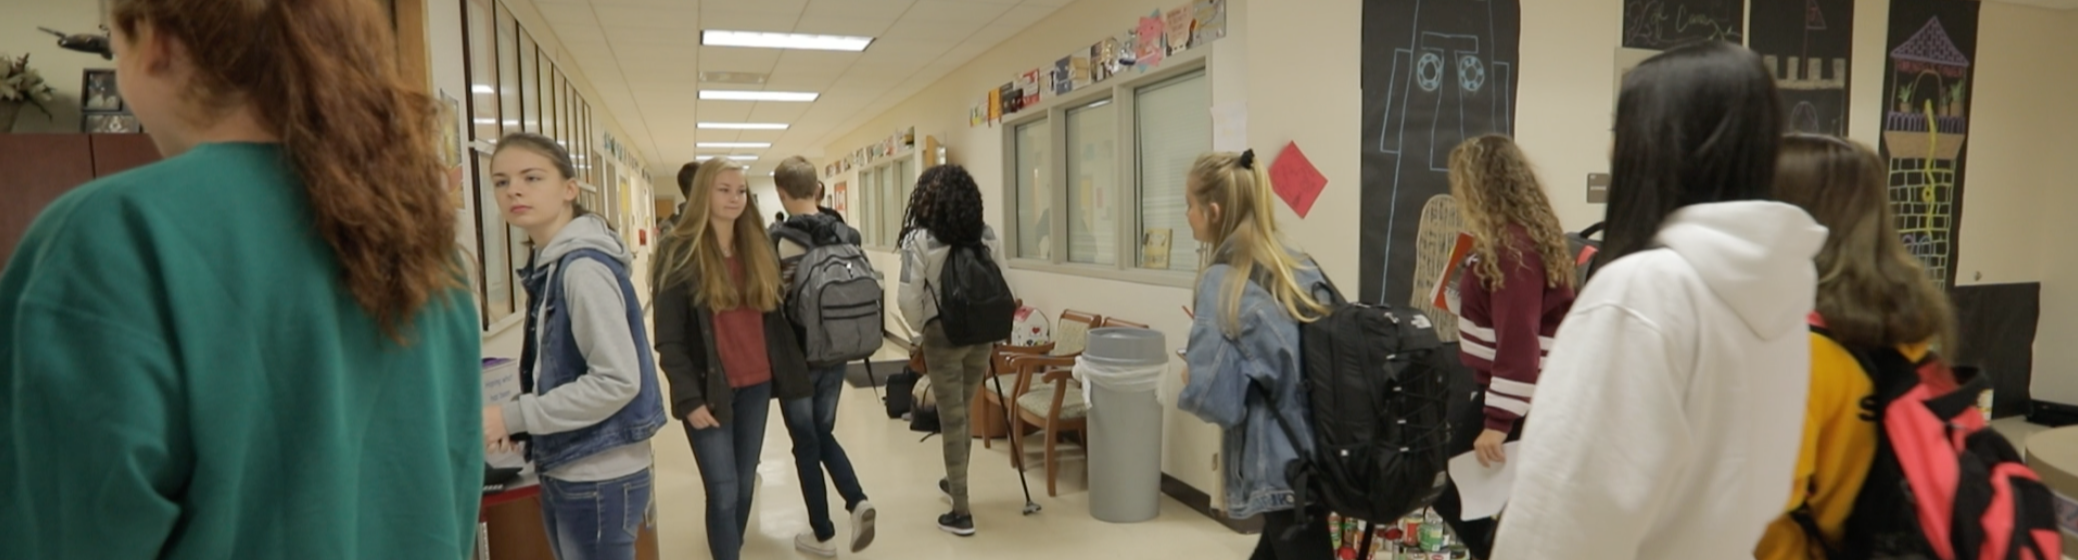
[(1420, 536)]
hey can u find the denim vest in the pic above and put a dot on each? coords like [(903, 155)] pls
[(562, 362)]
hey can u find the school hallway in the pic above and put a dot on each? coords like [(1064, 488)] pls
[(900, 475)]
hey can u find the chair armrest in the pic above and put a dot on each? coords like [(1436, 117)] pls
[(1026, 366)]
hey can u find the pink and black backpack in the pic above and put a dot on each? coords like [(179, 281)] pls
[(1942, 486)]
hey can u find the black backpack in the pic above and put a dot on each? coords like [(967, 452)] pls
[(1378, 391), (975, 305)]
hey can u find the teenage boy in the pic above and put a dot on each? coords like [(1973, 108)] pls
[(810, 421)]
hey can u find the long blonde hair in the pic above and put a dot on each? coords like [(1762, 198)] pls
[(1235, 193), (1872, 292), (691, 252), (1495, 187)]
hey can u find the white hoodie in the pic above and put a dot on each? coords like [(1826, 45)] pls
[(1672, 404)]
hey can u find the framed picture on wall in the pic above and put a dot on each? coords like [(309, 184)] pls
[(112, 123), (98, 91), (493, 236)]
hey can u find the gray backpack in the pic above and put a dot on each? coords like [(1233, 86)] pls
[(835, 299)]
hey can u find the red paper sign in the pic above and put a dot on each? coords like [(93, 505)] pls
[(1296, 180)]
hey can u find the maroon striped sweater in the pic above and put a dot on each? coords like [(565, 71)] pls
[(1503, 335)]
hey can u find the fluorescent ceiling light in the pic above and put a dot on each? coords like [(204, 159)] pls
[(736, 95), (483, 89), (732, 145), (744, 126), (732, 157), (717, 38)]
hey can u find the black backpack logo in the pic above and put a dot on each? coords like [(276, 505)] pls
[(975, 305)]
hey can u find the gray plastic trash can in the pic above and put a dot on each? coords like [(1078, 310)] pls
[(1121, 369)]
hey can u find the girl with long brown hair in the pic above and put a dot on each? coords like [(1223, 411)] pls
[(726, 346), (1517, 287), (261, 346), (589, 400), (1872, 296), (1250, 299)]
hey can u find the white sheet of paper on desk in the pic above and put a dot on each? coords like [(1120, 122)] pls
[(1484, 490)]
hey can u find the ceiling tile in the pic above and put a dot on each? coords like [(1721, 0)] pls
[(1025, 15), (675, 17), (856, 8), (873, 25), (778, 112), (746, 21), (559, 15), (910, 27), (784, 7), (645, 36), (729, 59), (954, 12)]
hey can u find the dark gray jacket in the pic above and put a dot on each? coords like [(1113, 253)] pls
[(684, 340)]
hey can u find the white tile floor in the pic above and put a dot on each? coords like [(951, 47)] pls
[(900, 475)]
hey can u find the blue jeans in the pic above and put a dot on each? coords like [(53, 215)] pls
[(728, 459), (595, 520), (810, 422)]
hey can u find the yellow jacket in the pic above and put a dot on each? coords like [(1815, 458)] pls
[(1838, 446)]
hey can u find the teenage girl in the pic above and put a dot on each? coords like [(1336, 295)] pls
[(591, 401), (946, 212), (1872, 295), (263, 345), (726, 346), (1670, 409), (1518, 285), (1250, 299)]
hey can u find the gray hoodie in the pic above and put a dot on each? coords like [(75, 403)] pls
[(599, 322)]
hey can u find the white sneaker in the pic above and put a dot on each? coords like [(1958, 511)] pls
[(807, 542), (862, 525)]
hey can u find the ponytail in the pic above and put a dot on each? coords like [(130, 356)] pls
[(359, 135)]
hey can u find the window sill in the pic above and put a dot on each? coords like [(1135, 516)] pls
[(1151, 277)]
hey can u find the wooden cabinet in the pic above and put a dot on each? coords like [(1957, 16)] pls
[(37, 168)]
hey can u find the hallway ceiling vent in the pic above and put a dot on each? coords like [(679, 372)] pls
[(748, 78)]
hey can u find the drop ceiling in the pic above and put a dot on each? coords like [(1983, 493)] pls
[(645, 59)]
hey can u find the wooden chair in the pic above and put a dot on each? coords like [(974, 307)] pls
[(1053, 404), (1110, 322), (1071, 335)]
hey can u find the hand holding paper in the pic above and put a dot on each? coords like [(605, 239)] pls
[(1483, 490)]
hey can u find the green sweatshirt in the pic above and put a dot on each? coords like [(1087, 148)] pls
[(183, 376)]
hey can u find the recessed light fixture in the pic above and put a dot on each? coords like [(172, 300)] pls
[(737, 95), (732, 157), (744, 126), (718, 38), (732, 145)]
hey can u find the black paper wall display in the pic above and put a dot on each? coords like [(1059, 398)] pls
[(1926, 124), (1664, 24), (1807, 44), (1435, 73)]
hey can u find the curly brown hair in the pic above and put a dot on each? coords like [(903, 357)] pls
[(358, 133), (1495, 188)]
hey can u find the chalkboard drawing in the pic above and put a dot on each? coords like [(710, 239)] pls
[(1665, 24), (1807, 44), (1437, 72), (1440, 224), (1923, 135)]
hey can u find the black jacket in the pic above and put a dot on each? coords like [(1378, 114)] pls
[(683, 336)]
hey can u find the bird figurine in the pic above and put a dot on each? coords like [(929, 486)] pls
[(83, 42)]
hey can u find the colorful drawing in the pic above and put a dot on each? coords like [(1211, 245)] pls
[(1063, 75), (1178, 37), (1147, 41), (1210, 22), (1927, 125), (1807, 45)]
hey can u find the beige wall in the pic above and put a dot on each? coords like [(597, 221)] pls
[(2023, 135)]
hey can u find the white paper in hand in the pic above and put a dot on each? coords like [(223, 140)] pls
[(1484, 490)]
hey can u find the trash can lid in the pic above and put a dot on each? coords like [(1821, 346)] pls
[(1126, 345)]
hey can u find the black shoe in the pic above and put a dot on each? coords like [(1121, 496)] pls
[(956, 523)]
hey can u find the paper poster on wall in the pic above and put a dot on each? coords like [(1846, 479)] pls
[(1296, 180), (1230, 127), (1028, 85), (1927, 81), (1117, 54), (1007, 99), (842, 199), (1079, 70), (1063, 75), (1147, 41), (976, 115), (450, 149), (1154, 248), (1807, 44), (1178, 36), (1664, 24), (1434, 73), (1210, 22)]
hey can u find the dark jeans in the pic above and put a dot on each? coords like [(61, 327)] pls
[(1466, 423), (595, 520), (810, 422), (728, 459), (1309, 543)]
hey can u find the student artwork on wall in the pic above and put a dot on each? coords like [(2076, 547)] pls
[(1435, 72), (1080, 71), (1147, 40), (1178, 36), (1927, 79), (1663, 24), (1807, 45), (1028, 89), (450, 148), (1063, 75), (1210, 22)]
